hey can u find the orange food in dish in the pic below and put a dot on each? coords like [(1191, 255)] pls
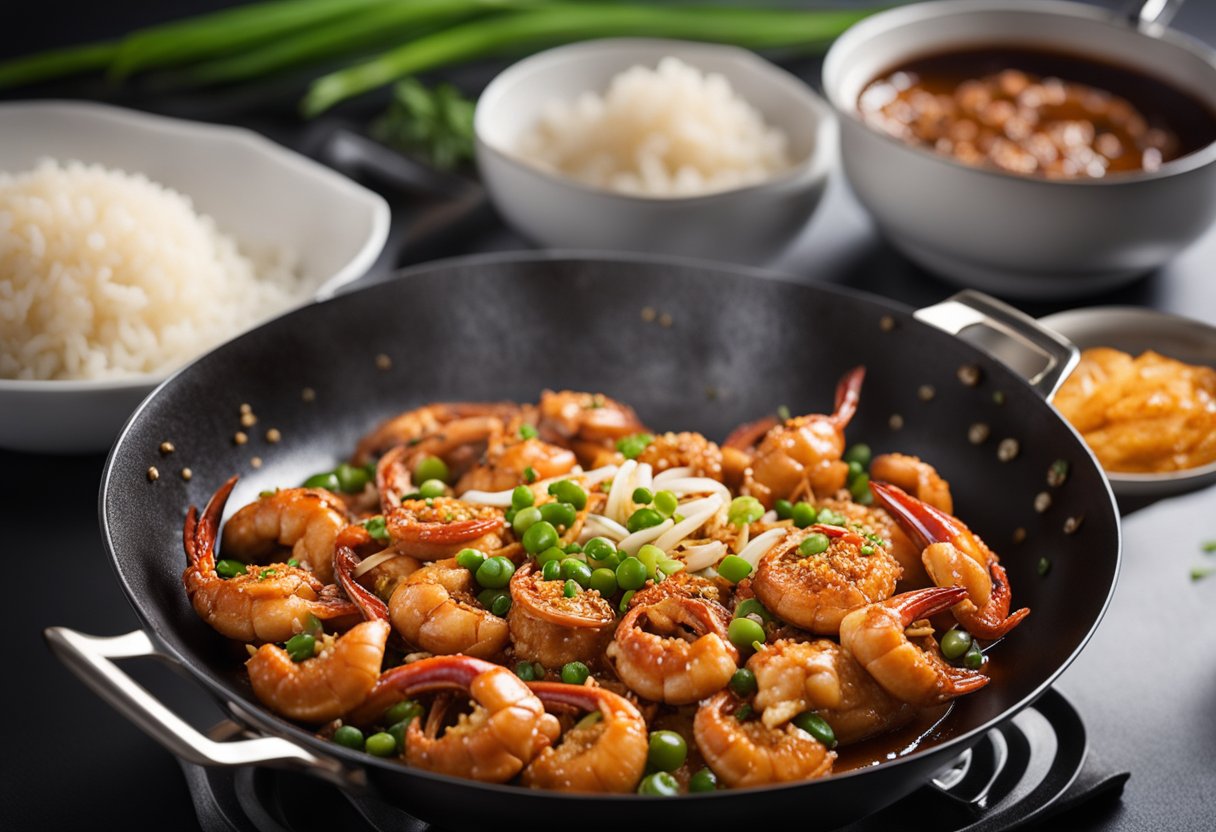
[(1147, 415)]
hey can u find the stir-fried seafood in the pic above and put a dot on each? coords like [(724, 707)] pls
[(677, 615)]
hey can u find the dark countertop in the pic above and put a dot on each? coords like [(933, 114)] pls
[(1145, 686)]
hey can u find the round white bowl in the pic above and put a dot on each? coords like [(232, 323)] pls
[(752, 224), (1012, 235), (260, 193)]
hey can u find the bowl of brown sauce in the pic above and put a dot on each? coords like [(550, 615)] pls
[(1031, 148)]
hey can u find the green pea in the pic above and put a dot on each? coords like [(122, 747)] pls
[(659, 784), (815, 543), (432, 488), (521, 497), (403, 711), (575, 673), (750, 607), (552, 553), (431, 468), (668, 751), (470, 559), (301, 646), (832, 518), (527, 431), (538, 670), (859, 487), (803, 515), (956, 643), (570, 589), (552, 570), (351, 480), (817, 727), (487, 597), (743, 682), (397, 732), (501, 605), (643, 518), (328, 481), (576, 570), (524, 519), (859, 453), (734, 568), (349, 736), (603, 581), (495, 573), (669, 566), (974, 658), (230, 568), (559, 514), (572, 549), (381, 745), (855, 470), (744, 510), (625, 599), (666, 503), (642, 496), (539, 536), (599, 549), (631, 574), (525, 672), (631, 447), (703, 780), (743, 633), (568, 491), (650, 556), (785, 509)]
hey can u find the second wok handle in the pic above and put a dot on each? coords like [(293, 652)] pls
[(90, 658), (969, 309)]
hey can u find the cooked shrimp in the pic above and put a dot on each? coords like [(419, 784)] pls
[(815, 592), (686, 658), (506, 730), (438, 528), (954, 556), (684, 450), (549, 628), (506, 464), (749, 753), (326, 686), (804, 453), (272, 603), (436, 608), (914, 475), (305, 519), (682, 584), (410, 427), (876, 520), (820, 676), (585, 422), (874, 636), (608, 755)]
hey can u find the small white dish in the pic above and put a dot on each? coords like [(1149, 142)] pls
[(753, 224), (258, 192), (1134, 330), (1013, 235)]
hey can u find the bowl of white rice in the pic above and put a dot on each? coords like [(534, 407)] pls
[(130, 244), (654, 145)]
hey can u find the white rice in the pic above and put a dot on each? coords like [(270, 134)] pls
[(106, 274), (665, 132)]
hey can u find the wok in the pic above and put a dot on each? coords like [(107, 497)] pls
[(739, 344)]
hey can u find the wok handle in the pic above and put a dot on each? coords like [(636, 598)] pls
[(89, 657), (1042, 356)]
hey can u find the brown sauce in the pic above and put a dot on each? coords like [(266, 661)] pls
[(1037, 113), (928, 725)]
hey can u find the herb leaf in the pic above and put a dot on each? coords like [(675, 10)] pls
[(435, 125)]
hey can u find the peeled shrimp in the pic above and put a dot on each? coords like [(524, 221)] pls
[(688, 657), (410, 427), (917, 477), (549, 628), (507, 729), (507, 461), (436, 608), (585, 422), (608, 755), (874, 636), (326, 686), (749, 753), (305, 519), (270, 603), (438, 528)]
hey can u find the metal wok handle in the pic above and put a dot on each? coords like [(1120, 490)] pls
[(1043, 357), (89, 657)]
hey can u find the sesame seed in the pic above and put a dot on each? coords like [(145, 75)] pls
[(153, 474), (1019, 534), (1072, 524), (187, 474), (978, 433), (240, 437), (383, 362), (256, 462), (1042, 502), (1007, 450), (886, 323), (926, 392), (970, 374), (896, 421), (167, 447), (308, 394), (649, 314), (248, 420), (273, 435), (246, 407), (665, 320)]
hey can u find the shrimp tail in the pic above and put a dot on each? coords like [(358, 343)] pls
[(993, 620), (369, 604), (425, 676), (922, 603), (745, 437), (848, 396), (200, 532)]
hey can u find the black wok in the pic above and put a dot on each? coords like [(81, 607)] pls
[(739, 345)]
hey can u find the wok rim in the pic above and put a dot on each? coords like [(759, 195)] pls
[(262, 719)]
